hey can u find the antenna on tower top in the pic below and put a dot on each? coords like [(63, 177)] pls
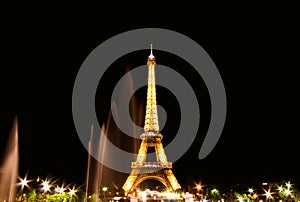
[(151, 56)]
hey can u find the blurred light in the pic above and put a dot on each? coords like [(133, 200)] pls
[(46, 185), (288, 185), (250, 190), (60, 190), (104, 188), (72, 191), (117, 198), (198, 187), (264, 183), (280, 188), (24, 182), (287, 192), (268, 194)]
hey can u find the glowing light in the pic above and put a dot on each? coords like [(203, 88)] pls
[(24, 182), (280, 188), (287, 192), (250, 190), (288, 185), (241, 199), (73, 191), (144, 196), (198, 187), (268, 194), (60, 190), (172, 195), (104, 188), (46, 185), (117, 198)]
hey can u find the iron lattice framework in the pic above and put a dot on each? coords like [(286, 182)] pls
[(160, 170)]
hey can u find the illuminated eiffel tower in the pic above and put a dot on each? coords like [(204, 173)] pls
[(160, 170)]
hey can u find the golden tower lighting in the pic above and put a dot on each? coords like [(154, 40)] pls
[(160, 170)]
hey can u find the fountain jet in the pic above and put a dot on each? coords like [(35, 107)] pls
[(10, 166)]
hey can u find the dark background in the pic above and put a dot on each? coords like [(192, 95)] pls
[(254, 50)]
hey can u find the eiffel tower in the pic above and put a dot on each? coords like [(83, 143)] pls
[(160, 170)]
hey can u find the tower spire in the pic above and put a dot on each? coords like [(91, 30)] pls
[(151, 119), (151, 56)]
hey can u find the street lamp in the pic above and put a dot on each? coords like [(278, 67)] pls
[(288, 185), (252, 195), (240, 199), (198, 188), (23, 183), (46, 186), (280, 188), (60, 190), (72, 192), (268, 195), (104, 189)]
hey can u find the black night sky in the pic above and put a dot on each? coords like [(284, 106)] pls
[(42, 53)]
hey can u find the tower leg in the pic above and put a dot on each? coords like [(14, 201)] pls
[(141, 157)]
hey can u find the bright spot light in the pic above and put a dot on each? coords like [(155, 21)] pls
[(117, 198), (255, 196), (60, 190), (288, 185), (104, 188), (72, 191), (287, 192), (144, 196), (280, 188), (241, 199), (46, 185), (198, 186), (268, 194), (24, 182), (250, 190)]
